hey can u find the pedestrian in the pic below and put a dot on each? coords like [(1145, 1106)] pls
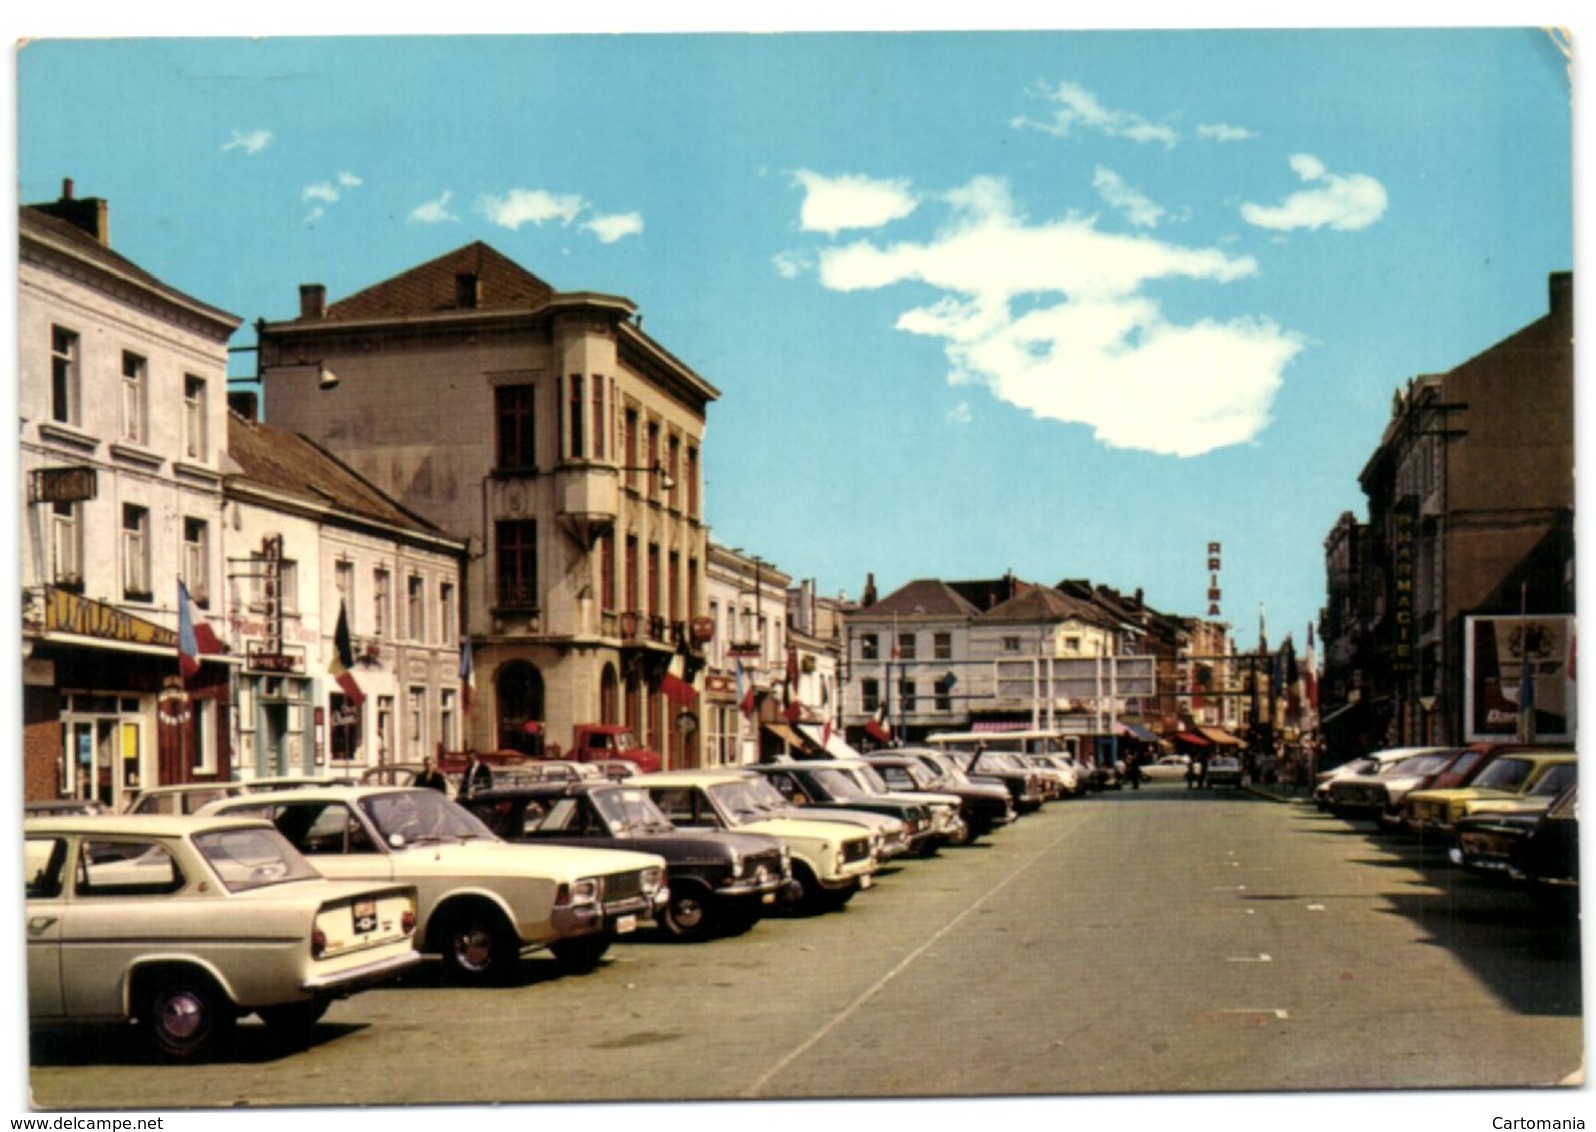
[(1191, 773), (1133, 770), (431, 777), (478, 775)]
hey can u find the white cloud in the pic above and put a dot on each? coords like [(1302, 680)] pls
[(611, 228), (1137, 207), (791, 264), (314, 215), (349, 180), (1343, 202), (1220, 132), (960, 414), (434, 211), (1089, 346), (832, 204), (531, 206), (323, 192), (1078, 108), (251, 142)]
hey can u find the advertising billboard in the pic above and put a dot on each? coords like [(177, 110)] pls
[(1519, 678)]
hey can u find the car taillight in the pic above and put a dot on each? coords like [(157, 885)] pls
[(407, 921), (318, 943)]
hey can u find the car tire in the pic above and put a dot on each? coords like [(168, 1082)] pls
[(476, 945), (688, 916), (582, 954), (187, 1017)]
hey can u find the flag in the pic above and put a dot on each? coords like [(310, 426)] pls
[(792, 665), (880, 725), (1526, 693), (343, 659), (825, 734), (677, 690), (795, 708), (745, 692), (195, 637), (468, 674)]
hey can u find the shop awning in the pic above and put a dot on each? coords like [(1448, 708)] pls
[(996, 725), (1137, 731), (1220, 738), (786, 735), (1194, 740)]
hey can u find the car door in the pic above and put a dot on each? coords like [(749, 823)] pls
[(126, 898), (44, 861)]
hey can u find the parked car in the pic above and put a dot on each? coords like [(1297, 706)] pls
[(1362, 765), (720, 881), (1224, 770), (184, 924), (1024, 784), (1166, 768), (822, 785), (831, 860), (1369, 793), (191, 797), (44, 807), (1512, 774), (1546, 861), (1485, 843), (482, 901), (983, 805)]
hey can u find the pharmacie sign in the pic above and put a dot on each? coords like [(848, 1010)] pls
[(66, 612)]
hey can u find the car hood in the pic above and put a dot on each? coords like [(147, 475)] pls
[(502, 858)]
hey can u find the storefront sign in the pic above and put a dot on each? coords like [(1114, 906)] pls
[(62, 485), (66, 612), (1498, 653)]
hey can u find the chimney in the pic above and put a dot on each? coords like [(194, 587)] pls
[(1561, 287), (869, 597), (312, 302), (91, 214), (467, 290)]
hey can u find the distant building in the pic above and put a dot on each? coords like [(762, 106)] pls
[(122, 397), (556, 439), (1467, 553), (746, 654)]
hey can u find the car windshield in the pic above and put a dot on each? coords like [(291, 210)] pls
[(920, 776), (415, 817), (630, 811), (836, 784), (746, 801), (1504, 774), (1554, 781), (952, 772), (1418, 764), (871, 778), (252, 858)]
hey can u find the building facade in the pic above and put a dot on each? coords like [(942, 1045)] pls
[(559, 442), (122, 397), (310, 542), (746, 654)]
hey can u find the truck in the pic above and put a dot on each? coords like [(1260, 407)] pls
[(605, 742)]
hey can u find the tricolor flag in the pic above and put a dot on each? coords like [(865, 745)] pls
[(880, 725), (468, 674), (745, 692), (343, 659), (195, 637), (677, 690)]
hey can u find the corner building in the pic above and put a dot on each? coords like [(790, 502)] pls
[(553, 437)]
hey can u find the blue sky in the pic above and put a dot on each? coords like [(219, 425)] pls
[(1073, 304)]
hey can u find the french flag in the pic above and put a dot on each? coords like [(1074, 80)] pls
[(195, 637)]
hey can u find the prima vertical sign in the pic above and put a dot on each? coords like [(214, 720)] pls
[(1213, 579)]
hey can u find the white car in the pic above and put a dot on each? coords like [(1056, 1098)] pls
[(482, 901), (187, 923), (1369, 763)]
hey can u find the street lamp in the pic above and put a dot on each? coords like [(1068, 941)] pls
[(666, 480)]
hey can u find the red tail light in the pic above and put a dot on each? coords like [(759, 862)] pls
[(407, 921), (318, 943)]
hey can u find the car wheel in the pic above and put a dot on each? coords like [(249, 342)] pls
[(187, 1017), (737, 923), (476, 945), (583, 953), (971, 834), (294, 1021), (687, 916)]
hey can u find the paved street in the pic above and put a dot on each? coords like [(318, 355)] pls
[(1158, 941)]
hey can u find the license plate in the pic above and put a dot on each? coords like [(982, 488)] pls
[(365, 917), (866, 881), (626, 924)]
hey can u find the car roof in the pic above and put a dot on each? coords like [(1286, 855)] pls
[(693, 777), (147, 825), (327, 793)]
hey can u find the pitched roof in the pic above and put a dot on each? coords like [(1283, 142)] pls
[(1040, 604), (927, 597), (291, 464), (431, 288)]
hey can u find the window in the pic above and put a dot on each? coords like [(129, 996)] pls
[(205, 756), (194, 406), (869, 647), (66, 535), (673, 470), (576, 417), (416, 607), (127, 868), (651, 459), (653, 579), (65, 367), (381, 601), (196, 559), (629, 572), (135, 396), (673, 586), (1011, 644), (906, 695), (607, 572), (629, 445), (513, 409), (416, 720), (906, 646), (448, 615), (690, 478), (517, 542), (598, 417), (136, 553), (942, 646), (944, 698), (344, 583), (870, 694), (1072, 644)]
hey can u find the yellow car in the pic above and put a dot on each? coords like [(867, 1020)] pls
[(186, 923), (1509, 776)]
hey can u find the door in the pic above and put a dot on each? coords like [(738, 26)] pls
[(43, 859)]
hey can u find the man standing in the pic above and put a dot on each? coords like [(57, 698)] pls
[(477, 774), (431, 777)]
